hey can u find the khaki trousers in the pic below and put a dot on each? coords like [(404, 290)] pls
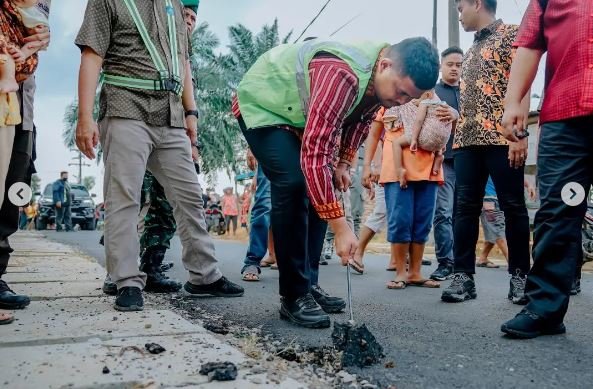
[(129, 147)]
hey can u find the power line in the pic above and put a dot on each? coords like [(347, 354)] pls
[(313, 20), (346, 24)]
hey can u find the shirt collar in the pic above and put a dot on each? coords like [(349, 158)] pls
[(488, 30), (445, 85)]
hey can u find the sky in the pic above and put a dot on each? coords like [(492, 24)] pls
[(380, 20)]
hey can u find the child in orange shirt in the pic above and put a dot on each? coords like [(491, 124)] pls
[(422, 129)]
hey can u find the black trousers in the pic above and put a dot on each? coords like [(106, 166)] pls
[(298, 231), (18, 171), (473, 165), (565, 155)]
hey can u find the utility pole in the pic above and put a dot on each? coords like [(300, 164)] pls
[(434, 23), (80, 163), (453, 24)]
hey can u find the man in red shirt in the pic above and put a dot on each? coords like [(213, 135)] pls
[(565, 30), (298, 158)]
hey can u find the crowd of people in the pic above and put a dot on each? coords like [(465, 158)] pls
[(323, 119)]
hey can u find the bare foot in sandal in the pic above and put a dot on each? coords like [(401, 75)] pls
[(6, 317), (250, 274), (394, 284), (356, 266), (425, 283)]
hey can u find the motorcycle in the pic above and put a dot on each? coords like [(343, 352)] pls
[(215, 219)]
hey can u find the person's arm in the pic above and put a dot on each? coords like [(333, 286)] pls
[(93, 39), (371, 150), (87, 133), (417, 127), (322, 132)]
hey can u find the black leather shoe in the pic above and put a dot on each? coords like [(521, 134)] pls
[(528, 325), (129, 298), (426, 262), (156, 281), (326, 302), (109, 287), (11, 300), (304, 312), (220, 288)]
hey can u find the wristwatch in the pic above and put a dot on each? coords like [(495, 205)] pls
[(192, 112), (522, 134)]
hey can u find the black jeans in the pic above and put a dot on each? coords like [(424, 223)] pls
[(473, 165), (18, 171), (565, 155), (297, 229)]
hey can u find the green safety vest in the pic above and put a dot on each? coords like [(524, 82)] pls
[(276, 89), (168, 81)]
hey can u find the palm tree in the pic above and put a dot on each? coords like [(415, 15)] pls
[(216, 77), (223, 146), (71, 120)]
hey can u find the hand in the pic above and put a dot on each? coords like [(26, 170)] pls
[(17, 54), (346, 244), (191, 128), (195, 154), (42, 34), (446, 114), (59, 204), (251, 161), (342, 179), (414, 146), (87, 137), (371, 193), (518, 153), (512, 120)]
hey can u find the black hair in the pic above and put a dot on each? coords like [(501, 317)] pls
[(451, 50), (490, 5), (418, 59)]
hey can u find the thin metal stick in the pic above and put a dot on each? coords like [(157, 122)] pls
[(349, 293)]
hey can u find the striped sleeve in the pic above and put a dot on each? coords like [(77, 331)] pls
[(333, 92)]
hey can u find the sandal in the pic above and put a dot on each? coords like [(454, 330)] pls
[(487, 264), (6, 317), (356, 266), (425, 284), (266, 262), (397, 285), (274, 266), (250, 273), (391, 268)]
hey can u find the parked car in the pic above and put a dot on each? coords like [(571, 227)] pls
[(82, 208)]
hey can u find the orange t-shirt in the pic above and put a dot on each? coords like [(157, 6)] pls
[(418, 165)]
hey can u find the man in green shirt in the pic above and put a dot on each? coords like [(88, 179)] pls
[(147, 113)]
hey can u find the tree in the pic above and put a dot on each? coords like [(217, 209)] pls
[(71, 120), (35, 183), (217, 78), (88, 182)]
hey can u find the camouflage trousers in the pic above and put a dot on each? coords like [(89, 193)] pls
[(159, 225)]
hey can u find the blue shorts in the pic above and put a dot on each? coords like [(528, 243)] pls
[(410, 211)]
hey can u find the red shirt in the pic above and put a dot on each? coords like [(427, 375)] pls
[(566, 32), (334, 88)]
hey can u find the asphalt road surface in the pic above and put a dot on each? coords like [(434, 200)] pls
[(433, 344)]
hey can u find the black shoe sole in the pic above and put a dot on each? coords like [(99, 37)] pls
[(14, 306), (157, 289), (109, 291), (515, 334), (448, 298), (436, 278), (210, 294), (324, 323), (330, 309), (131, 308)]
